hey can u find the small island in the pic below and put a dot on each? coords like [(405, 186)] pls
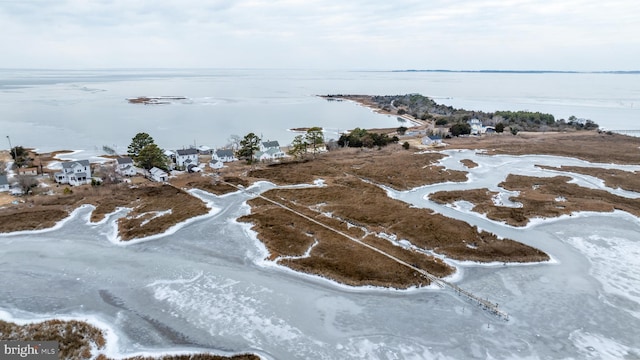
[(155, 100)]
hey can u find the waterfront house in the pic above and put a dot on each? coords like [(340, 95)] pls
[(204, 150), (4, 183), (476, 126), (432, 140), (224, 155), (158, 175), (269, 150), (215, 164), (186, 157), (125, 166), (28, 171), (74, 173)]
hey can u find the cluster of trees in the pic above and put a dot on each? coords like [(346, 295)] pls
[(311, 141), (20, 157), (582, 124), (363, 138), (146, 153), (458, 129), (527, 117), (418, 106)]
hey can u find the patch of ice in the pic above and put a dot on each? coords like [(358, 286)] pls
[(503, 198), (614, 263), (600, 347)]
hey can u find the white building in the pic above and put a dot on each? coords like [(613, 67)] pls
[(186, 158), (125, 166), (269, 150), (158, 175), (74, 173), (224, 155)]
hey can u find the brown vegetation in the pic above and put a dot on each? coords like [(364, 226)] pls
[(77, 339), (613, 178), (540, 198), (353, 202), (213, 184), (469, 163), (586, 145), (391, 166), (45, 211)]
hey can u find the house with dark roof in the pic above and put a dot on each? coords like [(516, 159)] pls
[(4, 183), (224, 155), (124, 166), (158, 175), (266, 145), (215, 164), (432, 140), (269, 150), (74, 173), (186, 157)]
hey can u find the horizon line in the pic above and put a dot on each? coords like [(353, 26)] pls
[(512, 71)]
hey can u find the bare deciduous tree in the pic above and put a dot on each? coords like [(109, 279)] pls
[(26, 183)]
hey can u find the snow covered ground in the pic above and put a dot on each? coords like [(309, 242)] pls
[(205, 286)]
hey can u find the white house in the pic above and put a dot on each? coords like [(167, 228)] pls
[(186, 157), (432, 140), (476, 126), (269, 150), (224, 155), (74, 173), (4, 183), (125, 166), (158, 175), (215, 164)]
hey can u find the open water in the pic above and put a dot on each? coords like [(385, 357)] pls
[(86, 109), (205, 286)]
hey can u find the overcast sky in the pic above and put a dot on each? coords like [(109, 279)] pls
[(346, 34)]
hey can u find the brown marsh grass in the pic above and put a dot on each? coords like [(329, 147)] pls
[(613, 178), (41, 212), (352, 201), (540, 198), (77, 340), (586, 145)]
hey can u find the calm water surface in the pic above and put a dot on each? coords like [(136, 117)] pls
[(87, 109)]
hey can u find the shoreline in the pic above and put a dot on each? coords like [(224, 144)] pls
[(110, 348)]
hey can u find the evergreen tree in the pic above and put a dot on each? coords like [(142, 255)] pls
[(248, 146), (151, 156), (138, 143)]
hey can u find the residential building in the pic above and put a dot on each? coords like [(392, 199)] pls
[(125, 166), (269, 150), (158, 175), (215, 164), (432, 140), (476, 126), (186, 157), (224, 155), (74, 173)]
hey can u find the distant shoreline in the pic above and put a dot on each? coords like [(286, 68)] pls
[(497, 71)]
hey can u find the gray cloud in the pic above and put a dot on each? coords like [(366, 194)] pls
[(532, 34)]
